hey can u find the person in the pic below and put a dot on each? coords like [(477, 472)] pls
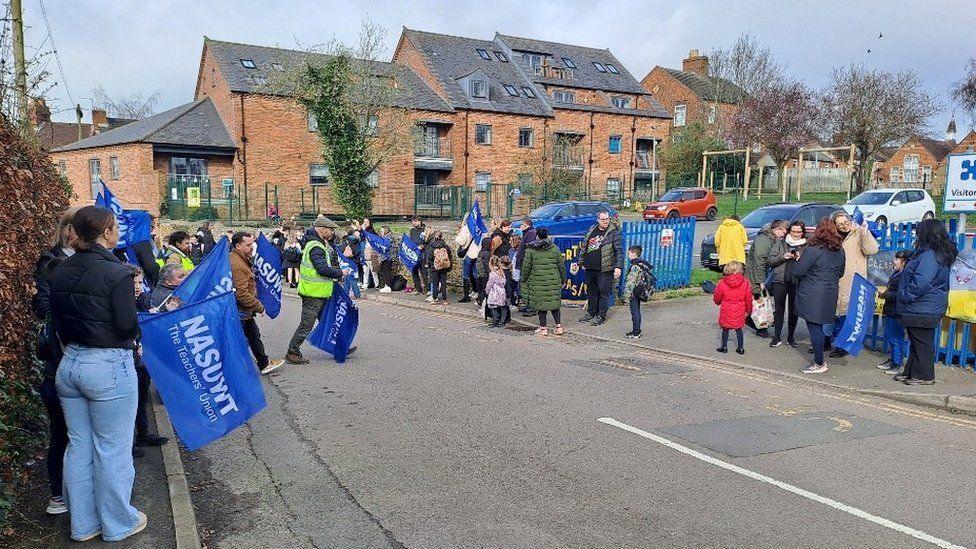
[(782, 258), (438, 257), (529, 236), (501, 239), (196, 250), (734, 298), (512, 289), (757, 263), (389, 265), (246, 294), (170, 277), (543, 278), (317, 276), (635, 276), (94, 312), (143, 436), (49, 350), (177, 251), (417, 230), (859, 243), (894, 330), (730, 241), (468, 249), (291, 256), (602, 261), (350, 249), (371, 260), (495, 288), (818, 273), (923, 296), (481, 268)]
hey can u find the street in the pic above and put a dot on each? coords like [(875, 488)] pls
[(440, 432)]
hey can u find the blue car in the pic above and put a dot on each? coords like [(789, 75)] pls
[(568, 218)]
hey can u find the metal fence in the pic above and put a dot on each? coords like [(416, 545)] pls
[(668, 244)]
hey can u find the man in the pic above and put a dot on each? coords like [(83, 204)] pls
[(318, 276), (419, 273), (248, 304), (170, 276), (205, 237), (859, 243), (177, 252), (602, 261)]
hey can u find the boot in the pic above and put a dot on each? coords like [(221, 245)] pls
[(465, 291)]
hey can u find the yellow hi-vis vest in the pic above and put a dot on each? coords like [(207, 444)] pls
[(310, 282), (184, 260)]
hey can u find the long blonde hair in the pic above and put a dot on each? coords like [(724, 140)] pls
[(67, 217)]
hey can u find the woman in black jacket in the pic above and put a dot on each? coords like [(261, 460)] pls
[(818, 273), (782, 258), (94, 311)]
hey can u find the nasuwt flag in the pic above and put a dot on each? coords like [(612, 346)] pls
[(379, 244), (267, 272), (211, 277), (475, 223), (201, 365), (409, 252), (346, 263), (860, 313), (106, 199), (337, 327)]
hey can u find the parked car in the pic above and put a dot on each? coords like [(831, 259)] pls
[(683, 202), (809, 212), (884, 206), (568, 218)]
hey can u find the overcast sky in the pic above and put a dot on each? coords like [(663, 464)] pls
[(139, 46)]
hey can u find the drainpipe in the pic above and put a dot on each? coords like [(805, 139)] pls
[(633, 153), (589, 177), (465, 148), (243, 155)]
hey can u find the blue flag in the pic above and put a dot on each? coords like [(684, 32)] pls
[(201, 364), (858, 216), (476, 225), (379, 244), (337, 327), (107, 200), (860, 312), (267, 271), (139, 223), (211, 277), (346, 263), (409, 252)]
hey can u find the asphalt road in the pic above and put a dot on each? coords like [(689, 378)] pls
[(442, 433)]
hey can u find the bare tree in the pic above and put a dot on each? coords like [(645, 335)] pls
[(739, 71), (872, 109), (38, 76), (964, 91), (133, 106)]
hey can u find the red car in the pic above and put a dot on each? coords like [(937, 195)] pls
[(683, 202)]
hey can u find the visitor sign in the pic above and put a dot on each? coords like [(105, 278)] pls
[(960, 188)]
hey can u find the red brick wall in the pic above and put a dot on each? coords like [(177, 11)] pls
[(136, 187), (410, 56), (669, 92), (912, 146)]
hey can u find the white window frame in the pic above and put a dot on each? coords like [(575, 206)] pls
[(487, 134), (249, 64), (612, 68), (372, 125), (328, 178), (373, 179), (475, 85), (311, 123), (63, 167), (926, 173), (910, 166), (680, 115), (621, 102), (95, 176), (570, 64), (482, 181), (712, 113), (115, 170), (561, 96), (599, 66), (894, 176)]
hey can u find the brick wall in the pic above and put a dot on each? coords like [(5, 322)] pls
[(136, 186), (410, 56), (912, 146), (669, 92)]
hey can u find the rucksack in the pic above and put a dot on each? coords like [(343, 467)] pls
[(645, 284), (398, 283), (442, 259)]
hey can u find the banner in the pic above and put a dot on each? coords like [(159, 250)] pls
[(860, 313), (201, 365), (337, 327), (267, 271), (475, 223), (409, 252), (211, 277), (571, 247), (379, 244), (107, 200)]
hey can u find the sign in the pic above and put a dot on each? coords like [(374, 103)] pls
[(667, 237), (267, 275), (193, 197), (571, 247), (337, 327), (860, 313), (881, 267), (960, 187)]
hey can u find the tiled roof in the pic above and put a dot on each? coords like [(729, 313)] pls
[(270, 61), (708, 89), (937, 148), (195, 124), (58, 134)]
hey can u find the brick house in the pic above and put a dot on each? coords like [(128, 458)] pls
[(915, 162), (52, 135)]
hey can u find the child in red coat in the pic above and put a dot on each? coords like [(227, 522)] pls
[(733, 295)]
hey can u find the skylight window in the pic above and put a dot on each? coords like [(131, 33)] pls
[(484, 54), (612, 69), (528, 91), (501, 57), (569, 63), (248, 64), (512, 90), (599, 67)]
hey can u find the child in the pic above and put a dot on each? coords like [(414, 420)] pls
[(894, 331), (495, 289), (635, 276), (142, 438), (733, 295)]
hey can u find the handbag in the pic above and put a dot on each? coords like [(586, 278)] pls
[(762, 310)]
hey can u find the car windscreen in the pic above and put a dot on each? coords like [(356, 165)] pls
[(672, 196), (870, 199), (762, 216), (549, 210)]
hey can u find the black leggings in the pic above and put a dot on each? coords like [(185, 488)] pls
[(725, 337), (542, 317), (784, 294)]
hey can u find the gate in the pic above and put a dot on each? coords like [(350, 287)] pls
[(441, 201)]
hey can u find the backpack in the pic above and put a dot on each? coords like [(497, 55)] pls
[(442, 259), (645, 284), (398, 283)]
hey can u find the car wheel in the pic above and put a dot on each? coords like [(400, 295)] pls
[(711, 214), (929, 215), (673, 214)]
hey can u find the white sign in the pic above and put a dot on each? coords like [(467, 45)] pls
[(960, 188)]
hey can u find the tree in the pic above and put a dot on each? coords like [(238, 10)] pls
[(551, 178), (682, 160), (872, 109), (133, 106), (739, 71), (964, 91)]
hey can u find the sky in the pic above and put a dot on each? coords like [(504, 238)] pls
[(142, 47)]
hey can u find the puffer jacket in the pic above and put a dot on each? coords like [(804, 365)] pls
[(734, 298), (923, 292), (611, 249), (890, 296), (495, 288), (757, 256), (730, 242), (543, 275), (484, 254)]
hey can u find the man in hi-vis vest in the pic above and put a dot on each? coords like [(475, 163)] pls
[(318, 276)]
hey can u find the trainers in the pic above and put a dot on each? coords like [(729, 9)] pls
[(902, 376), (913, 381), (56, 506), (775, 343), (893, 370), (296, 358), (430, 299), (272, 366), (838, 353), (814, 369), (143, 521), (597, 320), (740, 351), (792, 343), (91, 536), (634, 335), (385, 290), (886, 365), (722, 350), (559, 330), (542, 331), (628, 334), (351, 350), (586, 317), (151, 440), (465, 299)]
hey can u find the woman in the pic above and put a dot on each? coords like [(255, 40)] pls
[(782, 258), (440, 261), (757, 266), (94, 310), (923, 295), (292, 255), (818, 273), (543, 278), (389, 266)]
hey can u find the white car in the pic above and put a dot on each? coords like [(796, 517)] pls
[(885, 206)]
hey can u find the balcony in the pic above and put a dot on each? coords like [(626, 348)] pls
[(433, 153), (556, 73), (567, 157)]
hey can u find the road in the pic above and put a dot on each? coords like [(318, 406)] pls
[(442, 433)]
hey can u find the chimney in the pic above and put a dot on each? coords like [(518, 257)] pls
[(695, 63), (39, 112), (99, 120), (951, 131)]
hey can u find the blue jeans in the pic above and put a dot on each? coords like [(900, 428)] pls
[(98, 391), (894, 334), (817, 339), (635, 315), (468, 268), (350, 283)]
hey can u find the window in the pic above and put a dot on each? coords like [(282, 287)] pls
[(95, 176), (915, 196), (612, 69), (501, 57), (479, 89), (372, 125), (565, 97), (227, 186), (926, 174), (809, 216), (482, 180), (512, 90), (712, 111), (484, 54), (614, 146), (895, 174), (534, 60), (901, 198), (63, 167), (621, 102), (318, 175), (482, 134), (248, 64), (613, 186), (526, 137), (699, 195), (373, 179), (591, 209), (679, 115), (569, 63), (599, 67), (114, 169), (910, 166), (311, 122), (528, 92), (181, 165)]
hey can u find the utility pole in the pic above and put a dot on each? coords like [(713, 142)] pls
[(20, 65)]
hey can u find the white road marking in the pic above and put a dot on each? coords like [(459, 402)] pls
[(917, 534)]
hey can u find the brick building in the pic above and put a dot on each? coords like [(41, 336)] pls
[(916, 161), (52, 135)]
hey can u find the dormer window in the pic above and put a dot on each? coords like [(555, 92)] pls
[(612, 69), (599, 67), (501, 57), (621, 102), (484, 54), (528, 92), (569, 63), (479, 89), (564, 97), (512, 90), (248, 64)]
